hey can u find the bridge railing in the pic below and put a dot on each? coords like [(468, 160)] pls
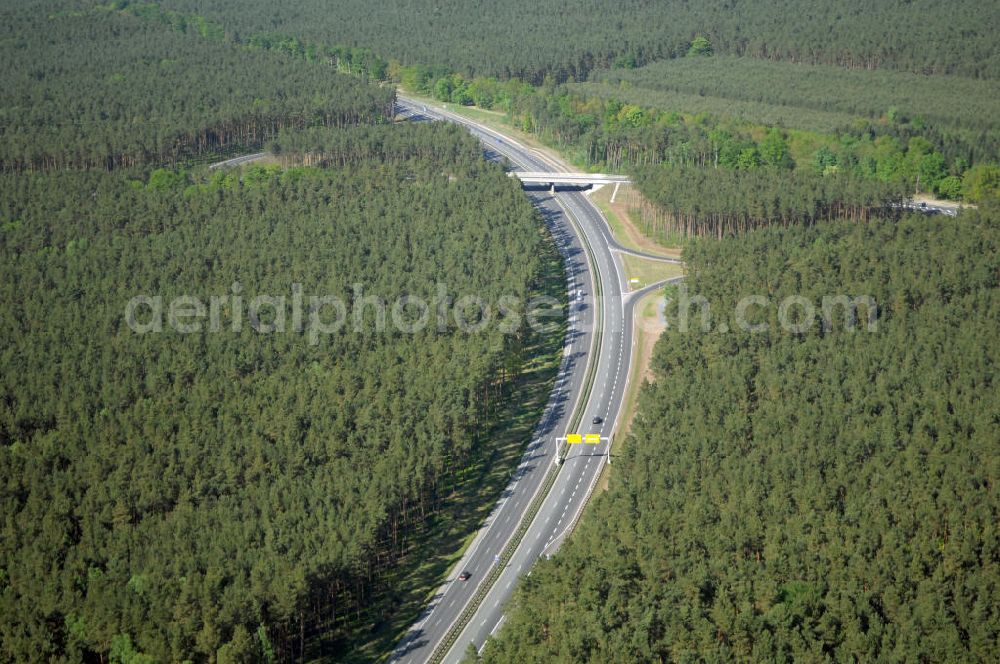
[(541, 177)]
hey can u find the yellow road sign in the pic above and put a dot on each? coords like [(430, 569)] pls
[(574, 438), (593, 439)]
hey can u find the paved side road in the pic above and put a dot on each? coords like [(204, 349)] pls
[(236, 161)]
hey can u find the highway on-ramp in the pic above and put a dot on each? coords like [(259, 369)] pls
[(591, 384)]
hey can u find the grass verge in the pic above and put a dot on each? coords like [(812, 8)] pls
[(624, 229), (647, 272), (647, 330)]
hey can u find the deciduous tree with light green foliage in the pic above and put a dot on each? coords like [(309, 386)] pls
[(700, 47), (981, 183), (774, 150)]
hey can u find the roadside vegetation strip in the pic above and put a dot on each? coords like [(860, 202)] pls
[(623, 228), (647, 272), (645, 323)]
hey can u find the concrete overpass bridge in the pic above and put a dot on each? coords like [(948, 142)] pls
[(581, 179)]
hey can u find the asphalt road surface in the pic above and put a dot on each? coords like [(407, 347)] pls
[(238, 161)]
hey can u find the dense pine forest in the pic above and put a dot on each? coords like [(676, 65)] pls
[(845, 92), (109, 90), (859, 118), (532, 39), (188, 491), (269, 486), (252, 490), (826, 494), (323, 146), (689, 201)]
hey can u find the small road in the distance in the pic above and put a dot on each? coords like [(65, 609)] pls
[(238, 161)]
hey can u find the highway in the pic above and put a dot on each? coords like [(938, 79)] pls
[(598, 343)]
